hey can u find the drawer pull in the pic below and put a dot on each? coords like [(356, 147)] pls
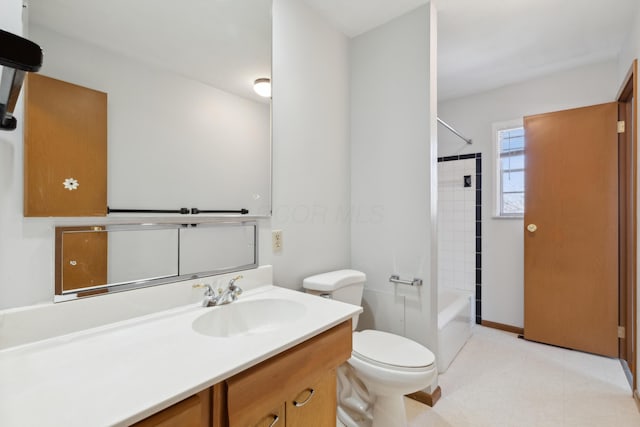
[(275, 420), (299, 404)]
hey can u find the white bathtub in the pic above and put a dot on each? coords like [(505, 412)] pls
[(455, 322)]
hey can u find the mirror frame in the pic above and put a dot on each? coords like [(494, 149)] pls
[(61, 295)]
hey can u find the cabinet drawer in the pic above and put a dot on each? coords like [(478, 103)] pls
[(265, 386), (315, 406)]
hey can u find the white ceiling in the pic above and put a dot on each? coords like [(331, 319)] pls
[(484, 44), (491, 43), (223, 43), (354, 17)]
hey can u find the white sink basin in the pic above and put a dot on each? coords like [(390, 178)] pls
[(248, 317)]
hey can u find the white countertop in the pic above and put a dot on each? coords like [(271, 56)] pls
[(121, 373)]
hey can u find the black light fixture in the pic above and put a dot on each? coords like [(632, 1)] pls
[(18, 56)]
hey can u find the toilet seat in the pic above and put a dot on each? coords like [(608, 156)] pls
[(391, 351)]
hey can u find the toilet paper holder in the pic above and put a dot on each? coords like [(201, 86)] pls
[(414, 282)]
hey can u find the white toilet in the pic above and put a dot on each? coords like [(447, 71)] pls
[(387, 365)]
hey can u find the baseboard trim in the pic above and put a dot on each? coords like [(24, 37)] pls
[(426, 398), (636, 396), (503, 327)]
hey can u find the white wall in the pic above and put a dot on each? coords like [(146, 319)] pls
[(310, 143), (392, 172), (26, 247), (502, 239), (11, 18), (630, 51)]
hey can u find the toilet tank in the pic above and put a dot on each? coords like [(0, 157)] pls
[(342, 285)]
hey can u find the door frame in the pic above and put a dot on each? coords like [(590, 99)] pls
[(628, 97)]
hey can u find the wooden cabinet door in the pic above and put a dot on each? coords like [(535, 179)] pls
[(65, 149), (571, 229), (194, 411), (314, 406), (253, 393)]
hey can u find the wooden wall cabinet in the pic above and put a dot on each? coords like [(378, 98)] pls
[(65, 149)]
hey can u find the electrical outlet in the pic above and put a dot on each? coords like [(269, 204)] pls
[(276, 240)]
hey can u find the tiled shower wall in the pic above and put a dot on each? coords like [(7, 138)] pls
[(459, 227)]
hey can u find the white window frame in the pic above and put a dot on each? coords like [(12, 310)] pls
[(497, 191)]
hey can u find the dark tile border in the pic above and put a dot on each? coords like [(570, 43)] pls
[(478, 157)]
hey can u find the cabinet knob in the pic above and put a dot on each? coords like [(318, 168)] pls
[(532, 228), (275, 421)]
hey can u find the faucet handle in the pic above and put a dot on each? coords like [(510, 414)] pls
[(233, 281), (209, 290)]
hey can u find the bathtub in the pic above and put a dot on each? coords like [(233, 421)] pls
[(455, 323)]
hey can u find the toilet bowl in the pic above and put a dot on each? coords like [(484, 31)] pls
[(383, 367)]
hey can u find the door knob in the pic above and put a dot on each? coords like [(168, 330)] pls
[(532, 228)]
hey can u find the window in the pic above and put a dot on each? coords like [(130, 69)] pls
[(510, 170)]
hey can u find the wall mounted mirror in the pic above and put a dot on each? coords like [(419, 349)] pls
[(185, 128), (99, 259)]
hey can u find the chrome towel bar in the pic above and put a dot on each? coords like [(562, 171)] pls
[(396, 279)]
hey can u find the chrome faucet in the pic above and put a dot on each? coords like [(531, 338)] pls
[(231, 293), (209, 293), (222, 296)]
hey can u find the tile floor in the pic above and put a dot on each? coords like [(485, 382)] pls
[(499, 380)]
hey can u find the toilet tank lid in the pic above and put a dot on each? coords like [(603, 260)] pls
[(333, 280)]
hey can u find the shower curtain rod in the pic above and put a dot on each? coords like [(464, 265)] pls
[(467, 140)]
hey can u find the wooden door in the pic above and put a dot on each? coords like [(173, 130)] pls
[(65, 149), (571, 229)]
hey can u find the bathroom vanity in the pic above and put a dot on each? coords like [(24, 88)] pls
[(272, 353), (294, 388)]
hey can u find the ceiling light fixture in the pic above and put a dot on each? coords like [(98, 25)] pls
[(263, 87)]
